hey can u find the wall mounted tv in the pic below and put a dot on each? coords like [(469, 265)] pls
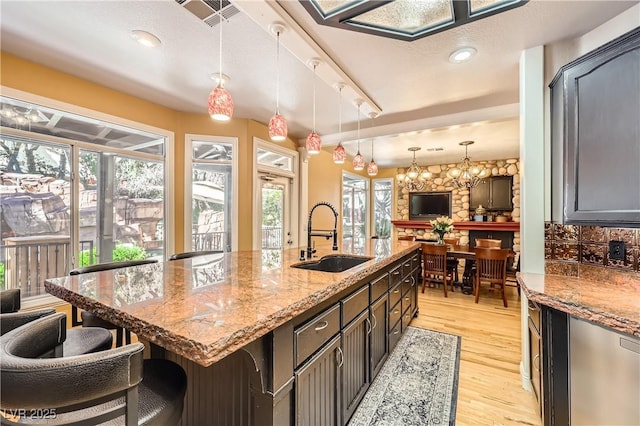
[(429, 205)]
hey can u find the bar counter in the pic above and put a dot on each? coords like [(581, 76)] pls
[(208, 307)]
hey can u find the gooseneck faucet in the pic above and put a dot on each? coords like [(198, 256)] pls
[(322, 233)]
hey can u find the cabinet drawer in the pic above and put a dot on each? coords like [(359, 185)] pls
[(407, 302), (394, 335), (395, 312), (379, 286), (395, 276), (354, 304), (406, 284), (415, 261), (406, 316), (316, 332), (395, 294), (406, 268)]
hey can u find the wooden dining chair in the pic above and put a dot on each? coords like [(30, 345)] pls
[(406, 238), (434, 266), (491, 267), (452, 262), (488, 243), (512, 270)]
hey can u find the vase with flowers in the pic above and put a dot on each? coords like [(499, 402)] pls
[(441, 225)]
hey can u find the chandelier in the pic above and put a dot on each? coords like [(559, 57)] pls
[(415, 178), (466, 175)]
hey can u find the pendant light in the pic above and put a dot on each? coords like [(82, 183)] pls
[(339, 154), (372, 168), (277, 124), (313, 140), (358, 160), (220, 101)]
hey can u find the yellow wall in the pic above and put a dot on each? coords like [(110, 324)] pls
[(37, 79)]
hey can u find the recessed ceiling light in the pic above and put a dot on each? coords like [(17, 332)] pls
[(462, 55), (145, 38)]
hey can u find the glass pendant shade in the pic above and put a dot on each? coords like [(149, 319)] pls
[(372, 168), (277, 128), (358, 162), (220, 104), (278, 125), (339, 154), (313, 143)]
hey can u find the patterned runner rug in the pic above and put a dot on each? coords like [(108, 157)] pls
[(418, 385)]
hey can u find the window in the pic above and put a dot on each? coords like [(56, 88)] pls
[(211, 169), (354, 210), (382, 198), (76, 187)]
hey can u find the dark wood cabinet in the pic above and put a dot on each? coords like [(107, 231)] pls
[(505, 236), (494, 193), (535, 353), (379, 335), (595, 136), (355, 367), (318, 387)]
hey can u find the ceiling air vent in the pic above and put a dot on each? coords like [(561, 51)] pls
[(435, 149), (209, 10)]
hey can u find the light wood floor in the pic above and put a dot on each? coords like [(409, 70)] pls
[(489, 388)]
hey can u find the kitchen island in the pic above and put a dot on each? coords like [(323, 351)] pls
[(247, 326)]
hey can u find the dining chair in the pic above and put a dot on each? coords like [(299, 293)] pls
[(406, 238), (116, 386), (512, 270), (90, 319), (488, 243), (190, 254), (452, 262), (491, 267), (434, 266), (78, 341)]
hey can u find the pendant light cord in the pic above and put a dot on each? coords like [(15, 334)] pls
[(314, 98), (221, 79), (278, 73), (372, 125), (358, 128), (340, 115)]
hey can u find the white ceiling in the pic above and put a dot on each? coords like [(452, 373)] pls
[(424, 99)]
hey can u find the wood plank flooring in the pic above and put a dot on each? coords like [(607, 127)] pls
[(489, 388)]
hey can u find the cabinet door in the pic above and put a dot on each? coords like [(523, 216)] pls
[(355, 371), (318, 387), (480, 195), (379, 336), (501, 190), (601, 178), (414, 291)]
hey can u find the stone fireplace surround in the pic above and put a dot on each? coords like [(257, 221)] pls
[(460, 198)]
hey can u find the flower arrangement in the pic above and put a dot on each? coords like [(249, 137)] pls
[(441, 225)]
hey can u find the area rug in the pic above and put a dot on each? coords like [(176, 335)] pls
[(418, 385)]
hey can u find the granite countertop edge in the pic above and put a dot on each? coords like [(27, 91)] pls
[(206, 355), (579, 310)]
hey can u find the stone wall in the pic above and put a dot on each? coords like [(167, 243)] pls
[(440, 181)]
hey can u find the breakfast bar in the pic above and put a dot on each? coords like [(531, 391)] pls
[(240, 326)]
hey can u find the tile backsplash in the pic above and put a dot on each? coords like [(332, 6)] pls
[(566, 247)]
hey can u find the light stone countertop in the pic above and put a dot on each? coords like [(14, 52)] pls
[(599, 295), (207, 307)]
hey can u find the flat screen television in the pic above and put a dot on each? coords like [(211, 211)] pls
[(429, 205)]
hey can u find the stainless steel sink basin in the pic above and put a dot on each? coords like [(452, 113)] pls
[(333, 263)]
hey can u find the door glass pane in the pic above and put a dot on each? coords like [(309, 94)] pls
[(354, 211), (382, 207), (272, 215), (121, 208), (211, 207), (35, 200)]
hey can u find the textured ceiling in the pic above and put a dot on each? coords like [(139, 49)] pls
[(425, 100)]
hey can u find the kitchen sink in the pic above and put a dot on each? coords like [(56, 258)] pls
[(333, 263)]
